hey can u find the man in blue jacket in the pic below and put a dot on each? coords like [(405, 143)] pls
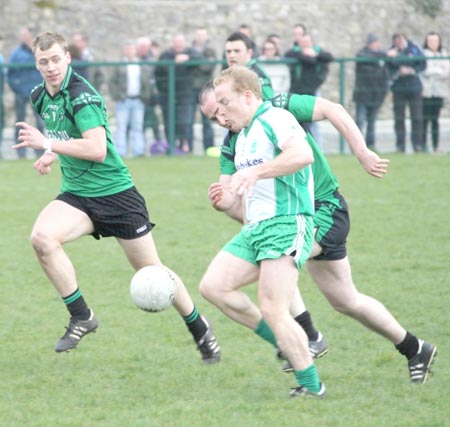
[(406, 89), (22, 80)]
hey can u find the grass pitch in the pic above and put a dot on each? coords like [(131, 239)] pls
[(142, 369)]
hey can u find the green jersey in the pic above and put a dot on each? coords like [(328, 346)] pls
[(76, 108), (302, 107), (261, 142), (264, 79)]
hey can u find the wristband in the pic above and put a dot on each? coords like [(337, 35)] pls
[(48, 145)]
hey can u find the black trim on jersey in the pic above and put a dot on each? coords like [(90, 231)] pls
[(77, 86), (66, 109), (282, 101), (259, 71), (226, 150), (37, 97)]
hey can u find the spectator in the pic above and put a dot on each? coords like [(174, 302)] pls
[(145, 52), (238, 51), (2, 108), (246, 29), (94, 74), (407, 89), (144, 48), (22, 80), (75, 55), (371, 85), (436, 84), (278, 72), (310, 70), (180, 53), (299, 32), (129, 87), (201, 75), (276, 39), (155, 50)]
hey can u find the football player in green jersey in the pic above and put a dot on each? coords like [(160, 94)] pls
[(239, 51), (98, 196), (329, 266)]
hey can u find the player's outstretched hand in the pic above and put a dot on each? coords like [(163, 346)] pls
[(373, 164), (29, 136), (44, 163), (215, 194)]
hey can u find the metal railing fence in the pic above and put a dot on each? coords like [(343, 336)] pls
[(171, 71)]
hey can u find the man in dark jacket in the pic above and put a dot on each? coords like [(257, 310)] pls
[(371, 84), (406, 89), (201, 75), (180, 53), (311, 69)]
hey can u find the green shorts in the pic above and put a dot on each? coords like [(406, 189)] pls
[(291, 235)]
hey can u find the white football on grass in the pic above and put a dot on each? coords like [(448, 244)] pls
[(153, 288)]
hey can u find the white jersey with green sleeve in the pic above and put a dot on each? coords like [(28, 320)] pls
[(302, 107), (261, 142)]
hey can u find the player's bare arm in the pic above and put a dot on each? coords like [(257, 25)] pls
[(91, 147), (346, 126)]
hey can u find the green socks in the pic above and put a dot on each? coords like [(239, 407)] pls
[(266, 333), (309, 378)]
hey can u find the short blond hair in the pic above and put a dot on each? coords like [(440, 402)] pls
[(242, 79), (45, 41)]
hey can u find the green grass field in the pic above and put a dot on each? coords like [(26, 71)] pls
[(142, 369)]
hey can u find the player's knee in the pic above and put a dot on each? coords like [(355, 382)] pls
[(213, 289), (207, 289), (347, 306), (342, 308), (42, 243), (270, 312)]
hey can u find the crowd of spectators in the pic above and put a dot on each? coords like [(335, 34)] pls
[(143, 94)]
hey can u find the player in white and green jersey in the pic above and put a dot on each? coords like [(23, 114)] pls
[(261, 142), (273, 176), (325, 183), (332, 225), (98, 196)]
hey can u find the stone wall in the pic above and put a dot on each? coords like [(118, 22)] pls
[(340, 26)]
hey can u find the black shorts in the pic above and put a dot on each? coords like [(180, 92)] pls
[(122, 215), (332, 223)]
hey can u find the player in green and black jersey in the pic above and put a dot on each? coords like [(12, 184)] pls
[(239, 51), (98, 196)]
